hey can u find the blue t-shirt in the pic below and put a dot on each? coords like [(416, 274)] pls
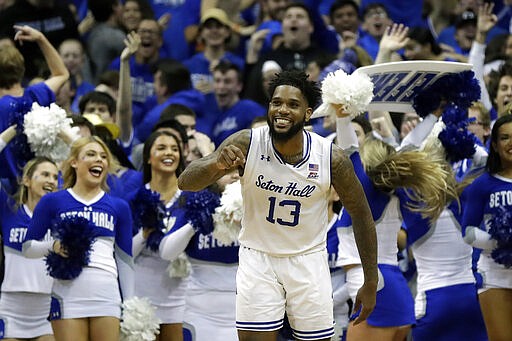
[(183, 13), (190, 98), (238, 117), (9, 106)]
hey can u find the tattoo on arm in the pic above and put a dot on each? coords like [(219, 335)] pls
[(205, 171), (351, 193)]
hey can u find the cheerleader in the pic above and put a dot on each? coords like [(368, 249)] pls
[(489, 199), (393, 315), (26, 287), (163, 162), (211, 298), (87, 306)]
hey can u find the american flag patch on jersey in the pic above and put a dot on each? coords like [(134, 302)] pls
[(313, 167)]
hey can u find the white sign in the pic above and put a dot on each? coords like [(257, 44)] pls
[(396, 84)]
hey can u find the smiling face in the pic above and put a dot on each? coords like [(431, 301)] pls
[(503, 145), (214, 33), (91, 165), (43, 180), (131, 15), (504, 95), (164, 155), (287, 112)]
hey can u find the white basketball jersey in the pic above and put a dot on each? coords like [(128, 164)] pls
[(285, 206)]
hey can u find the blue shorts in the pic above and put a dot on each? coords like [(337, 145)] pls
[(449, 313), (395, 304)]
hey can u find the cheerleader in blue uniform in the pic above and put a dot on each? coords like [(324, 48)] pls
[(211, 296), (87, 307), (208, 308), (490, 199), (26, 288), (393, 315), (444, 266), (163, 162)]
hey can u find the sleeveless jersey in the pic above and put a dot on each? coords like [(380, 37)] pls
[(285, 205)]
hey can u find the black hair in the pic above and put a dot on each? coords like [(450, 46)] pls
[(78, 121), (299, 80), (374, 5), (424, 36), (495, 77), (174, 75), (225, 65), (146, 12), (493, 164), (172, 124), (343, 3), (364, 123), (102, 9), (175, 109), (97, 97), (495, 49), (146, 167), (300, 5)]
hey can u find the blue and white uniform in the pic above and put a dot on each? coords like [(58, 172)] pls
[(211, 294), (26, 287), (96, 291), (395, 305), (444, 266), (486, 195), (283, 260), (152, 279)]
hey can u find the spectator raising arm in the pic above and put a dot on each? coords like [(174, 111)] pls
[(58, 72)]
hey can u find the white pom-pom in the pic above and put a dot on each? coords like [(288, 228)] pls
[(354, 92), (180, 267), (228, 215), (42, 126), (139, 322)]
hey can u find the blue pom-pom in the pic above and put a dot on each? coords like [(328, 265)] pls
[(19, 144), (457, 140), (458, 143), (500, 226), (503, 255), (154, 239), (149, 212), (461, 89), (500, 229), (76, 235), (199, 209)]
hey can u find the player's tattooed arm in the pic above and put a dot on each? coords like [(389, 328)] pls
[(354, 200), (205, 171)]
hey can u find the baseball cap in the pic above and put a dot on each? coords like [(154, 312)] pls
[(97, 121), (216, 14), (466, 17)]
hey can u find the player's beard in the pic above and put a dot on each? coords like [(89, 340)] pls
[(285, 136)]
